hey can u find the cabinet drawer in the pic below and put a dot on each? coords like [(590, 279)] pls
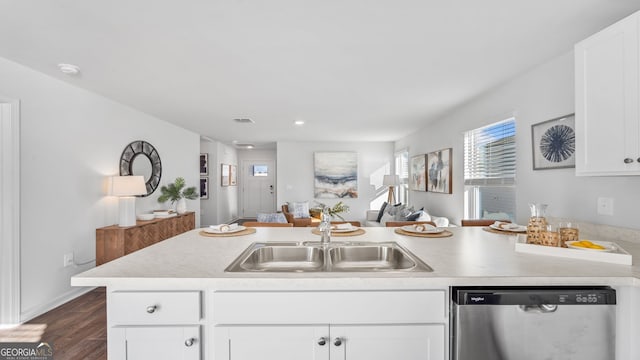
[(344, 307), (150, 308)]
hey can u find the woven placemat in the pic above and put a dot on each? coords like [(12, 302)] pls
[(445, 233), (488, 229), (333, 233), (246, 231)]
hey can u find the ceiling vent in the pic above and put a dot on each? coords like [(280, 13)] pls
[(244, 121)]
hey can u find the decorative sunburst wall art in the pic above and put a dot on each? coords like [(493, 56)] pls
[(554, 143)]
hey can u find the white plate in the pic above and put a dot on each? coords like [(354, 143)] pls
[(412, 228), (608, 246), (353, 228), (519, 229), (216, 231)]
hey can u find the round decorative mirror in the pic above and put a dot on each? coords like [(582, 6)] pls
[(141, 158)]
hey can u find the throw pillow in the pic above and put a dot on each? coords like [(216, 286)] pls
[(414, 215), (271, 218), (300, 210), (386, 217), (400, 213), (424, 216), (440, 221), (381, 212)]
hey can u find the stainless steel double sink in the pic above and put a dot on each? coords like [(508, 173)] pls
[(333, 257)]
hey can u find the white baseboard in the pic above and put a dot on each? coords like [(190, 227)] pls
[(43, 308)]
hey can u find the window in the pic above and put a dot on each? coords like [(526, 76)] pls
[(402, 170), (260, 170), (490, 171)]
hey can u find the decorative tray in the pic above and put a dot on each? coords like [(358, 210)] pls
[(614, 255)]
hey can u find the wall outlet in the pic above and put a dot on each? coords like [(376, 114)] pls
[(605, 206), (68, 259)]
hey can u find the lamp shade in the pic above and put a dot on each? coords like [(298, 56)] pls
[(128, 186), (390, 180)]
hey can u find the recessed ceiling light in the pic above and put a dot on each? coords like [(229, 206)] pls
[(298, 122), (245, 146), (244, 121), (69, 69)]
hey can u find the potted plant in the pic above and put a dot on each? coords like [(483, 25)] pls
[(334, 211), (175, 193)]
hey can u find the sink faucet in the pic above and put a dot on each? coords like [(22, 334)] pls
[(325, 226)]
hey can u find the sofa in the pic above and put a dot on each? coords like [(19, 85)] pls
[(372, 219)]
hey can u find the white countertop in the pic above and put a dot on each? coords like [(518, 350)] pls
[(471, 256)]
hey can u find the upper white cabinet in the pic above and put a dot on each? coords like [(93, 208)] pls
[(608, 100)]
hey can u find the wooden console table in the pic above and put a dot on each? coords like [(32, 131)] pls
[(114, 241)]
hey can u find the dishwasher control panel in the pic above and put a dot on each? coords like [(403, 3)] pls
[(537, 296)]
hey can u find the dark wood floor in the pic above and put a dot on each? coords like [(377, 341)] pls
[(76, 330)]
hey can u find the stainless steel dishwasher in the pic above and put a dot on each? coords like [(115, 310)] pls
[(533, 323)]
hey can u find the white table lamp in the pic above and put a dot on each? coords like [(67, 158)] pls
[(391, 181), (126, 188)]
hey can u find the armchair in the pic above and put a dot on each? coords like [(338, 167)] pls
[(298, 222)]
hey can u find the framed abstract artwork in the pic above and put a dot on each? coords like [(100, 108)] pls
[(204, 164), (418, 175), (335, 175), (233, 175), (554, 143), (439, 171), (224, 175), (204, 188)]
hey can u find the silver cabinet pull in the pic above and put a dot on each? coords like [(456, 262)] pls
[(189, 342), (628, 160), (638, 160), (322, 341), (337, 341), (151, 309)]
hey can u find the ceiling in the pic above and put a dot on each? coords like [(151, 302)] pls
[(353, 70)]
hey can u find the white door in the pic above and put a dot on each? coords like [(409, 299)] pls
[(297, 342), (384, 342), (258, 187)]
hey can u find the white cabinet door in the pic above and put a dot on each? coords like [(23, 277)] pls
[(607, 101), (158, 343), (296, 342), (384, 342)]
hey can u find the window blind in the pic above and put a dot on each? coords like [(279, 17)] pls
[(490, 154)]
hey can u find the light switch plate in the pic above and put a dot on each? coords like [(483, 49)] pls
[(605, 206)]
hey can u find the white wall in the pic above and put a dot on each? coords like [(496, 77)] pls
[(222, 205), (209, 207), (71, 141), (543, 93), (295, 172)]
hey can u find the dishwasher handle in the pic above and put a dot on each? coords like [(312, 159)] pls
[(541, 309)]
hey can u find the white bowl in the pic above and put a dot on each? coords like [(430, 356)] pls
[(145, 217)]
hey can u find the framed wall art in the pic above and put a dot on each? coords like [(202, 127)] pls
[(204, 164), (418, 176), (335, 175), (224, 175), (233, 175), (554, 143), (204, 188), (439, 171)]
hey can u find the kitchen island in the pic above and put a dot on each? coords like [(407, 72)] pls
[(178, 292)]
